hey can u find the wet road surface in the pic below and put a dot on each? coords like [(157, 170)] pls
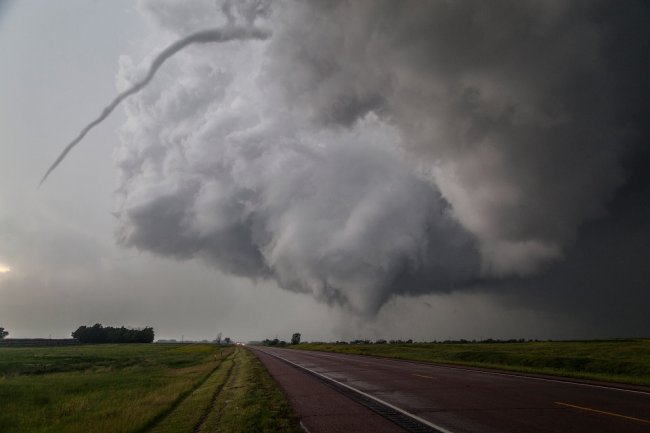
[(459, 400), (322, 409)]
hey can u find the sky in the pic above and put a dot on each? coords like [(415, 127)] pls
[(370, 169)]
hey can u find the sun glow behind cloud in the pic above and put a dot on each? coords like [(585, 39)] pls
[(4, 269)]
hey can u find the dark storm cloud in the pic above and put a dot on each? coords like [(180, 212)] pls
[(375, 148), (512, 105), (603, 282)]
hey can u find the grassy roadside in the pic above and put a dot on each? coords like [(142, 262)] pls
[(250, 401), (138, 388), (190, 410), (239, 396), (621, 361)]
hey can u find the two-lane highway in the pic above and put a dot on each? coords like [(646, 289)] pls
[(458, 400)]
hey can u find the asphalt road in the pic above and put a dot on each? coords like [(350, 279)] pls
[(321, 408), (457, 400)]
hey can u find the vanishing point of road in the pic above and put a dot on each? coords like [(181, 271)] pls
[(447, 399)]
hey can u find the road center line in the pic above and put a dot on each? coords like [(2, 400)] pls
[(588, 409), (422, 375), (477, 370)]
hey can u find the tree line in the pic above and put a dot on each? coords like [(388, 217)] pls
[(410, 341), (295, 339), (100, 334)]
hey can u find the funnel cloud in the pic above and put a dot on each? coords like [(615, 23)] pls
[(225, 34)]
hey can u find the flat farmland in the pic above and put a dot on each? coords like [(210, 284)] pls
[(621, 361), (138, 388)]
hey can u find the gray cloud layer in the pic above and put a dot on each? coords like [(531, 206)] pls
[(376, 148)]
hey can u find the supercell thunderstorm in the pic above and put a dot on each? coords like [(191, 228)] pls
[(375, 148)]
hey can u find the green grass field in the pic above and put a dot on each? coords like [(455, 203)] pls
[(622, 361), (138, 388)]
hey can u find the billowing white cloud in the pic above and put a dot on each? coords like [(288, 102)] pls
[(374, 148), (212, 167)]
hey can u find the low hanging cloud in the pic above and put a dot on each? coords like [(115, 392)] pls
[(372, 148)]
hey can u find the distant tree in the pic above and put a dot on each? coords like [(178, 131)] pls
[(274, 342), (3, 333), (295, 338), (227, 340), (99, 334), (218, 339), (146, 335)]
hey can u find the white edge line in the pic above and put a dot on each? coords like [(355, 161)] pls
[(567, 381), (302, 426), (402, 411)]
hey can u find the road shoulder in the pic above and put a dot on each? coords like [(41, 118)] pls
[(321, 408)]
